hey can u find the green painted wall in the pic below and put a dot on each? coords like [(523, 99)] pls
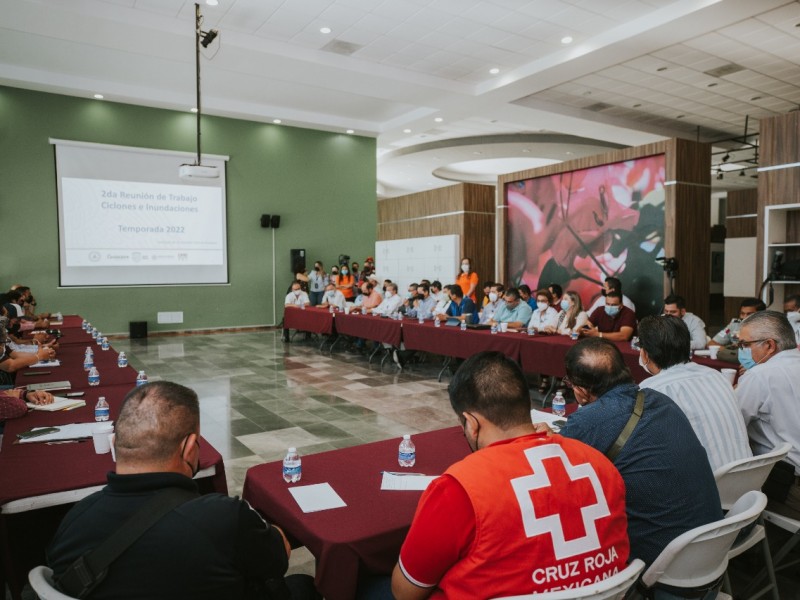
[(322, 184)]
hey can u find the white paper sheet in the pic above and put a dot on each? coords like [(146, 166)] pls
[(59, 403), (316, 497), (49, 386), (73, 431), (46, 363), (539, 416), (405, 481)]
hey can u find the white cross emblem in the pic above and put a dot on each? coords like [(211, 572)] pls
[(552, 523)]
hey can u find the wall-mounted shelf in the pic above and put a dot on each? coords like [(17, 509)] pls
[(781, 234)]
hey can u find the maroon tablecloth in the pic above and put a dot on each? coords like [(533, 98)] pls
[(314, 320), (451, 341), (368, 532), (71, 369), (368, 327)]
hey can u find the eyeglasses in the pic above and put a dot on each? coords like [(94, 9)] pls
[(746, 344)]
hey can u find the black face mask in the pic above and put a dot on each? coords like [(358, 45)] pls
[(316, 268)]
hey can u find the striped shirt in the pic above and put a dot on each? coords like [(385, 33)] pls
[(707, 399)]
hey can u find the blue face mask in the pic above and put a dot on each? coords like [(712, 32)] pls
[(612, 311), (746, 358), (565, 305)]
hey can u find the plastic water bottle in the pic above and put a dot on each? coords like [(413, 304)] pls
[(122, 360), (83, 324), (95, 333), (104, 346), (99, 340), (436, 322), (331, 309), (494, 328), (463, 325), (531, 331), (421, 320), (101, 409), (141, 378), (559, 405), (94, 377), (407, 453), (292, 466), (88, 360)]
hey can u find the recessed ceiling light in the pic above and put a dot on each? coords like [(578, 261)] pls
[(660, 69), (98, 96), (212, 2), (277, 121), (477, 152), (525, 151), (350, 131), (568, 153), (494, 71), (324, 29), (438, 119), (193, 109), (567, 39), (406, 131)]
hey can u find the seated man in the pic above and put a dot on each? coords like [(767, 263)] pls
[(442, 297), (333, 297), (526, 296), (370, 298), (612, 320), (704, 394), (669, 485), (675, 306), (295, 298), (515, 312), (461, 307), (391, 303), (495, 301), (478, 530), (421, 307), (210, 546), (791, 308), (730, 334), (611, 284), (769, 391), (408, 299)]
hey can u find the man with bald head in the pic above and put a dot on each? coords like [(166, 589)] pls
[(210, 546)]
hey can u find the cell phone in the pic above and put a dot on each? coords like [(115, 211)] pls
[(74, 394), (26, 435), (34, 373)]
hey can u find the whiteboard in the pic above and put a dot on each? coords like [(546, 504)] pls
[(413, 259)]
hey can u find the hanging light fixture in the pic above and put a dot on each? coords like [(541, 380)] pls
[(201, 38)]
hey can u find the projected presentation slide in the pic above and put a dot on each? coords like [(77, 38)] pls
[(125, 223)]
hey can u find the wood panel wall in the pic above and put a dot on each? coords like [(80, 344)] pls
[(779, 144), (740, 221), (687, 210), (465, 209)]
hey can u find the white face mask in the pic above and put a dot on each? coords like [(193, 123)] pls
[(389, 294), (643, 365), (330, 293), (542, 306), (492, 297), (794, 317), (296, 293), (465, 267)]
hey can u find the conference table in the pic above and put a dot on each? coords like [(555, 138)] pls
[(38, 478), (365, 536)]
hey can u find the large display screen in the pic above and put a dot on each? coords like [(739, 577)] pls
[(579, 227)]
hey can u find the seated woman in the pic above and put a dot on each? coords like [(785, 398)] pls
[(544, 315), (572, 316)]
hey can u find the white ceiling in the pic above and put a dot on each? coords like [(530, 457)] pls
[(636, 71)]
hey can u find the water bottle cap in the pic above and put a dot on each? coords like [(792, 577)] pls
[(141, 372), (101, 398), (407, 436), (292, 450)]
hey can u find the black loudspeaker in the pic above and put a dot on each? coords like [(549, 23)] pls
[(276, 221), (138, 330), (298, 260), (265, 221)]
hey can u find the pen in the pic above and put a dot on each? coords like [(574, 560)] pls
[(72, 408), (32, 373), (403, 474)]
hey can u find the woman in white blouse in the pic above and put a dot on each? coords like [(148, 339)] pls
[(544, 315), (572, 316)]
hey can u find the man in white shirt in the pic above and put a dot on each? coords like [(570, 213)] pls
[(611, 284), (730, 334), (791, 308), (423, 303), (704, 394), (443, 301), (333, 297), (769, 391), (391, 302), (496, 301), (295, 298), (675, 306)]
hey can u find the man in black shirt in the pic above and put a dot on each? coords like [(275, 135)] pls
[(210, 546)]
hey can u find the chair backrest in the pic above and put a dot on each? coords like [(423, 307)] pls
[(740, 476), (700, 556), (41, 579), (613, 588)]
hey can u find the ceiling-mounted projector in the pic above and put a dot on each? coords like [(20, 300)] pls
[(197, 172)]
